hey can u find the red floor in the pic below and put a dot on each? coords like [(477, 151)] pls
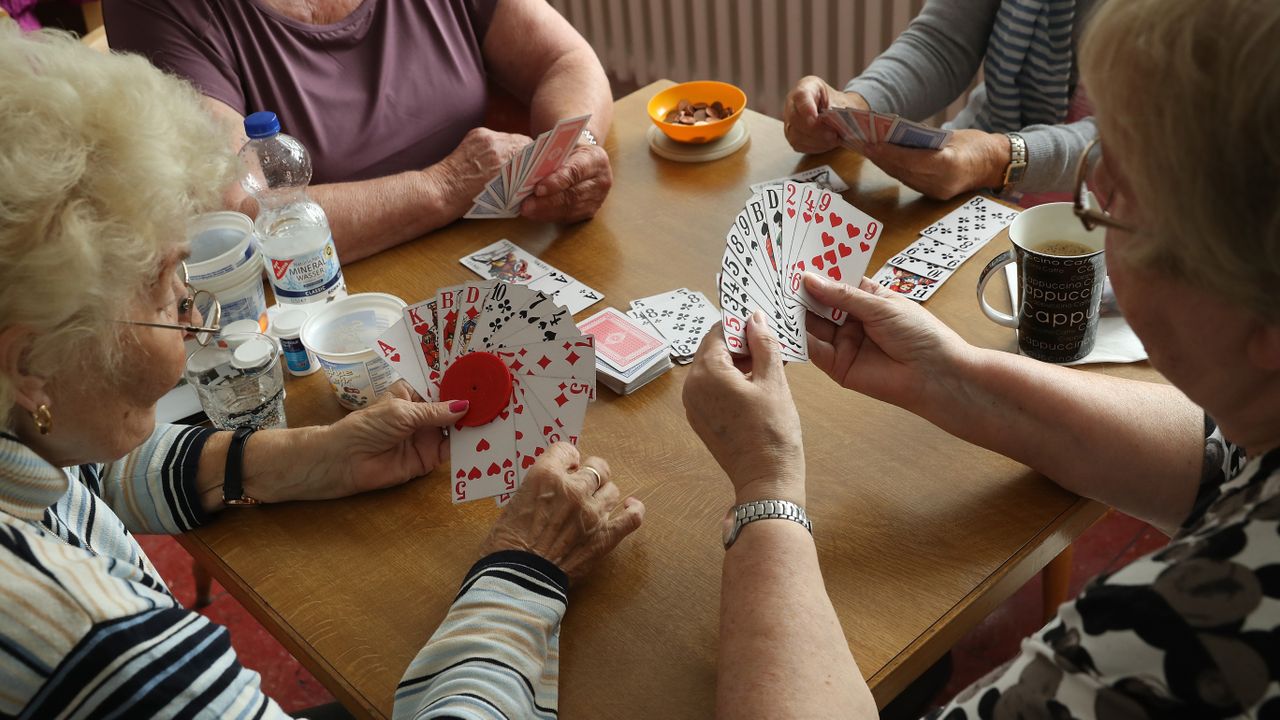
[(1115, 540)]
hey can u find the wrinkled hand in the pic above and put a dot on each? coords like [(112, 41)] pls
[(385, 444), (477, 160), (971, 160), (575, 191), (889, 348), (743, 411), (561, 515), (801, 114)]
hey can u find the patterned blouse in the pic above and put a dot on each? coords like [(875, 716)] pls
[(1189, 631)]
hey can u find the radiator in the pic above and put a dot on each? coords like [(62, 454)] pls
[(762, 46)]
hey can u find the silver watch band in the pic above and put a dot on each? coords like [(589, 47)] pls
[(745, 514)]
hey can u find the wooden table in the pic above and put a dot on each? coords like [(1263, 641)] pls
[(920, 535)]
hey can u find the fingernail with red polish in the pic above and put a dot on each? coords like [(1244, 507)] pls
[(459, 405)]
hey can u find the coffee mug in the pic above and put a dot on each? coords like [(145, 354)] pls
[(1061, 270)]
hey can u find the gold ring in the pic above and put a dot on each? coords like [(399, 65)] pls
[(593, 471)]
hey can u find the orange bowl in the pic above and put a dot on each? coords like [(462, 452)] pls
[(707, 91)]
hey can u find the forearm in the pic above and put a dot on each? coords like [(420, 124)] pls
[(1135, 446), (782, 650), (369, 216), (932, 62), (277, 465), (499, 642), (574, 85)]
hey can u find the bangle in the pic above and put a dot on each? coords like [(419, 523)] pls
[(232, 477)]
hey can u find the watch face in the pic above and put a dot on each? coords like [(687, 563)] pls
[(726, 529)]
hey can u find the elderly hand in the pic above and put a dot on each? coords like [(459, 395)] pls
[(477, 160), (575, 191), (564, 514), (385, 444), (972, 159), (743, 411), (889, 348), (801, 114)]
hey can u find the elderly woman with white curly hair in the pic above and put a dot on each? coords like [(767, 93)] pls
[(103, 159)]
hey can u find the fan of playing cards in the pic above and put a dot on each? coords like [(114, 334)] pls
[(517, 357), (784, 231), (502, 195)]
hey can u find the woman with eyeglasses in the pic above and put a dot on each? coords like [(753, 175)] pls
[(103, 159), (1187, 182)]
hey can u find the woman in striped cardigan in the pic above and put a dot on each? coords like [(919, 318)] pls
[(102, 161)]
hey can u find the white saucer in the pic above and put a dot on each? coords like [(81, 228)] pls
[(665, 147)]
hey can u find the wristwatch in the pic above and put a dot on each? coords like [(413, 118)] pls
[(1017, 162), (232, 476), (742, 515)]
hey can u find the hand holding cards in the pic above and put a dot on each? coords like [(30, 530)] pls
[(869, 126), (502, 195), (519, 360), (784, 231)]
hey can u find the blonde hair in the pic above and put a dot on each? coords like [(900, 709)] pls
[(1186, 94), (103, 159)]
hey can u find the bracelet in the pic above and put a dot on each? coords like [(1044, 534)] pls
[(742, 515), (232, 477)]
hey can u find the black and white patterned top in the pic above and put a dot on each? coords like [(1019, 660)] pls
[(1189, 631)]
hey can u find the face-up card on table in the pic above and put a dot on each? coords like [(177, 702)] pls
[(938, 253), (573, 294), (504, 261), (920, 267), (682, 319), (905, 282), (971, 225)]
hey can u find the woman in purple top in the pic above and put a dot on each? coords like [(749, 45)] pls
[(389, 97)]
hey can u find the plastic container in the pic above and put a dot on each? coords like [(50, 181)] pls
[(297, 245), (225, 261), (342, 335), (287, 328)]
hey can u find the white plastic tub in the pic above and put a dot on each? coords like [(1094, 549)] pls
[(342, 334)]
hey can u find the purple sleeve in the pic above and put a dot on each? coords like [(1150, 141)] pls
[(179, 37)]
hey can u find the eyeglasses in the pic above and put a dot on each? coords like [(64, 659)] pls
[(212, 316), (1091, 173)]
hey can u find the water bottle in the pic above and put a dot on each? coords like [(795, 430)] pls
[(296, 242)]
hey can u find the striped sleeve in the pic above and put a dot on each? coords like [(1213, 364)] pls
[(81, 637), (496, 655), (153, 489)]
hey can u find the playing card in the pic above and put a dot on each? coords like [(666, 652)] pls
[(559, 143), (862, 120), (420, 324), (920, 267), (447, 322), (501, 305), (470, 303), (682, 319), (913, 134), (882, 125), (484, 212), (570, 357), (566, 402), (823, 176), (483, 459), (971, 225), (504, 261), (838, 246), (940, 253), (396, 347), (573, 294), (852, 129), (619, 340), (542, 319), (906, 283)]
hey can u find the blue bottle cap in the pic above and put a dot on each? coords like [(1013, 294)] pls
[(262, 124)]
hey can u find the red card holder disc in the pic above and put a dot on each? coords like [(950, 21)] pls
[(482, 379)]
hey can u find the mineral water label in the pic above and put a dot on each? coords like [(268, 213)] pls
[(303, 277)]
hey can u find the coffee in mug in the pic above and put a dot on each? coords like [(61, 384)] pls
[(1061, 271)]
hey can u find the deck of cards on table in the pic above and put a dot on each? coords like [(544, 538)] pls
[(505, 261), (517, 357), (924, 265), (784, 231), (869, 126), (629, 353), (503, 194), (682, 317)]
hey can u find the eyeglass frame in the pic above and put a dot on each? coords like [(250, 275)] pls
[(203, 335), (1089, 217)]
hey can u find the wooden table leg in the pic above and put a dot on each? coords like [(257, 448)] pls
[(203, 581), (1057, 582)]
